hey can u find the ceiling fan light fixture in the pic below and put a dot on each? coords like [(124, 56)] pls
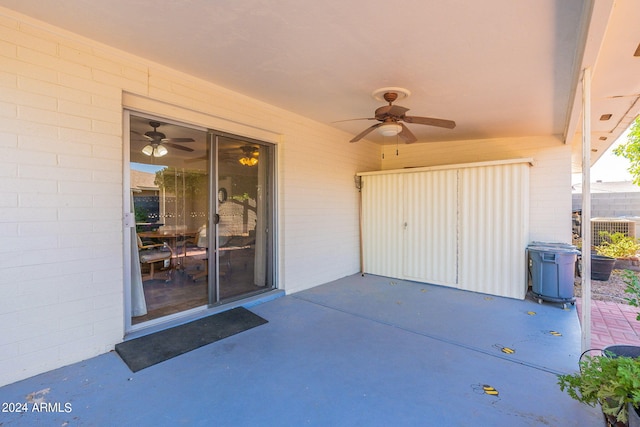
[(250, 157), (155, 151), (390, 129), (248, 161), (160, 151)]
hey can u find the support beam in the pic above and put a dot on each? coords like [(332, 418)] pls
[(586, 210)]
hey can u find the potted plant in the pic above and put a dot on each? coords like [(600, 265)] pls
[(632, 281), (612, 382), (614, 246)]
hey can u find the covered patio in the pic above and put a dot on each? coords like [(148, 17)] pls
[(304, 81), (369, 351)]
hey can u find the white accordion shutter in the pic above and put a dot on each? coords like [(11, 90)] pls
[(382, 222), (430, 238), (462, 226), (493, 229)]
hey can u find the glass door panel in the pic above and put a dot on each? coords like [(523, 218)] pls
[(203, 214), (169, 170), (243, 208)]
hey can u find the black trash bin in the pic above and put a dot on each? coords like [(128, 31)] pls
[(552, 269)]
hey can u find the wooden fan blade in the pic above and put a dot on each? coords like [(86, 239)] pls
[(196, 159), (390, 110), (351, 120), (359, 136), (141, 134), (179, 147), (397, 110), (178, 140), (430, 121), (407, 135)]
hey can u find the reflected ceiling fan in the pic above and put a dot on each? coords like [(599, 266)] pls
[(250, 155), (156, 141), (391, 118), (245, 155)]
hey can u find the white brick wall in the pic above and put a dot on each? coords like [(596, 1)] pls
[(57, 195), (61, 192), (322, 223)]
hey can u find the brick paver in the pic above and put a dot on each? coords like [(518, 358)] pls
[(612, 323)]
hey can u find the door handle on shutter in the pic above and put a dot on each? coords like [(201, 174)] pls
[(216, 219)]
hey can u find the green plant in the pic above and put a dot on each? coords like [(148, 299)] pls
[(141, 214), (617, 245), (177, 180), (630, 150), (614, 382), (630, 278)]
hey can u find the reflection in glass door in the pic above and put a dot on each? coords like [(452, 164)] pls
[(203, 216), (243, 213), (169, 174)]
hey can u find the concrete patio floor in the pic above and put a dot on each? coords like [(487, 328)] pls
[(360, 351)]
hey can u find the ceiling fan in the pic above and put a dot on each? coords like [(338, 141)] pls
[(156, 141), (391, 118), (250, 155), (245, 155)]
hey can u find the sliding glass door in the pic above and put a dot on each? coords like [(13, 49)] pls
[(203, 214), (243, 213)]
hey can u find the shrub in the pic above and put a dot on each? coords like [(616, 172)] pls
[(611, 381), (617, 245)]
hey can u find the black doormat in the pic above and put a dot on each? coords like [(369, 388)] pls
[(146, 351)]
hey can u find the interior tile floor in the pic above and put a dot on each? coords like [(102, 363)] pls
[(359, 351), (178, 289)]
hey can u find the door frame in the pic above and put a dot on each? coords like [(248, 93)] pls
[(271, 261), (129, 222)]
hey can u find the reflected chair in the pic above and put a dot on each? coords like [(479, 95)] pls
[(151, 253), (202, 242)]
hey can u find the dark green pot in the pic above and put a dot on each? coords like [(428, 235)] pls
[(601, 267)]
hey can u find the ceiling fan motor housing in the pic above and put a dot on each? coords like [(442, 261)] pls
[(154, 134), (390, 97)]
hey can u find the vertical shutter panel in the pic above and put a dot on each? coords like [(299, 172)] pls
[(382, 224), (431, 233), (493, 229)]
